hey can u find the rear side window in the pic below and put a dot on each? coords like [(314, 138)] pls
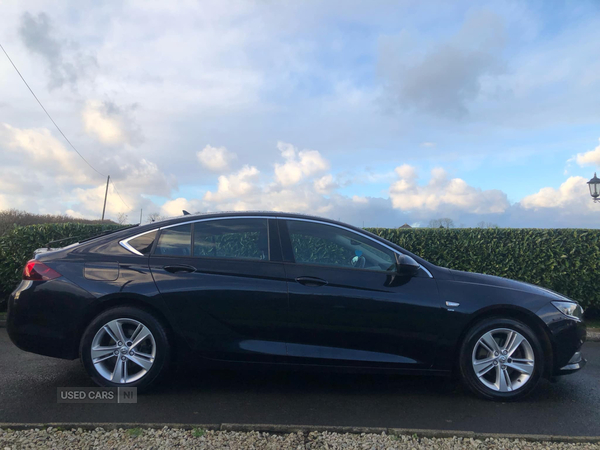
[(232, 238), (143, 243), (175, 241)]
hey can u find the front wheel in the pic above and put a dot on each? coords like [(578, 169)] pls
[(501, 359), (125, 347)]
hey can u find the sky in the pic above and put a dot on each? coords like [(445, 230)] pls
[(375, 113)]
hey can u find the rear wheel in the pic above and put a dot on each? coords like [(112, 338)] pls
[(501, 359), (125, 347)]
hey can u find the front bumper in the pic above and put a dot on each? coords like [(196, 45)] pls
[(577, 362), (567, 335)]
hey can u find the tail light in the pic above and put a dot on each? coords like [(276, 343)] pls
[(38, 271)]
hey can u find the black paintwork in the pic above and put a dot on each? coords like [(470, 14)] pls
[(277, 311)]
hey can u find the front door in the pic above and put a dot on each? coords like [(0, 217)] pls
[(348, 306), (225, 283)]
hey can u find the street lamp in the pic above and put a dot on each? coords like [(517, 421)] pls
[(594, 185)]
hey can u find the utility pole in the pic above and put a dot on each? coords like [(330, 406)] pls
[(141, 209), (105, 195)]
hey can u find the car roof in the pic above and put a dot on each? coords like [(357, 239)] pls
[(210, 215)]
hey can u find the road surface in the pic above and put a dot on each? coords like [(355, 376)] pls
[(28, 385)]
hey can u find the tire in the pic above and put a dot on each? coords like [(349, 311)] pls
[(502, 377), (141, 359)]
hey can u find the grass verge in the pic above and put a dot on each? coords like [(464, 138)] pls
[(134, 432), (592, 323)]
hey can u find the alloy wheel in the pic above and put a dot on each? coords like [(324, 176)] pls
[(123, 350), (503, 360)]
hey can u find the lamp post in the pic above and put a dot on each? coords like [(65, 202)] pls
[(594, 185)]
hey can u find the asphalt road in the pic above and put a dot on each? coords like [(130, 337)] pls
[(569, 407)]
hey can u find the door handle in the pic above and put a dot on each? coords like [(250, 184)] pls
[(180, 268), (311, 281)]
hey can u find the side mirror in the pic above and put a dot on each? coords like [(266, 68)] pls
[(406, 266)]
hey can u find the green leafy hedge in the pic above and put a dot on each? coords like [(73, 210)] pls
[(17, 247), (564, 260)]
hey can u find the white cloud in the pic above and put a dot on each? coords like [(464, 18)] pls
[(446, 78), (246, 75), (216, 159), (63, 182), (406, 172), (176, 206), (4, 203), (573, 191), (77, 214), (359, 199), (298, 165), (65, 64), (44, 153), (145, 177), (591, 158), (442, 194), (99, 123), (89, 201), (325, 184), (569, 205), (237, 185)]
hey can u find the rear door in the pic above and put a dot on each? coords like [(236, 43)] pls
[(348, 306), (224, 281)]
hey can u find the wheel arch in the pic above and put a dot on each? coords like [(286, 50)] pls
[(517, 313), (132, 301)]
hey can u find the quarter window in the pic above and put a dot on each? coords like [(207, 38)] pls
[(175, 241), (143, 243), (317, 243), (232, 238)]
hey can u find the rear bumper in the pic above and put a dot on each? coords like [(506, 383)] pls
[(49, 346), (42, 317)]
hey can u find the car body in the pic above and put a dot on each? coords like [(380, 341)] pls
[(270, 288)]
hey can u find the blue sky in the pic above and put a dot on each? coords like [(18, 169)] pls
[(378, 112)]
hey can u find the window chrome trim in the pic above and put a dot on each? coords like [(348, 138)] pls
[(355, 232), (125, 242), (215, 218)]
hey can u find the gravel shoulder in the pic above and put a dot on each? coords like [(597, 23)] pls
[(593, 334), (137, 438)]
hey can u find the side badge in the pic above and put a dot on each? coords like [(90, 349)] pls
[(452, 305)]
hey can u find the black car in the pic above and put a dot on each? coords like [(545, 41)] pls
[(286, 289)]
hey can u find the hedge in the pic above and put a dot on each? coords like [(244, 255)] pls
[(17, 247), (564, 260)]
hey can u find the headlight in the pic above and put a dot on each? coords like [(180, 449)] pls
[(570, 309)]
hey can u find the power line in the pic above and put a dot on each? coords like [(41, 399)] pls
[(49, 116), (117, 191), (58, 128)]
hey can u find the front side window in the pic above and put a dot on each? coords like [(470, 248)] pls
[(317, 243), (175, 241), (232, 238)]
